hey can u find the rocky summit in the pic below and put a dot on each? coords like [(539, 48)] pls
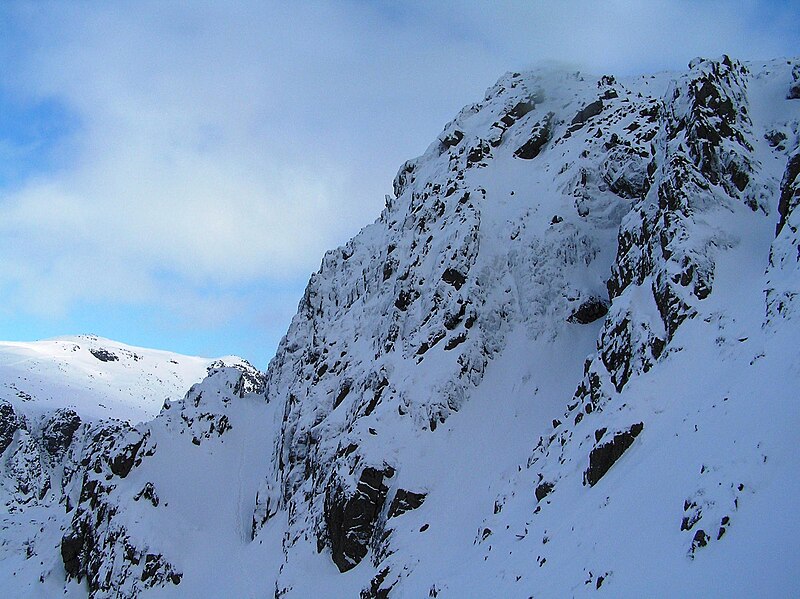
[(562, 362)]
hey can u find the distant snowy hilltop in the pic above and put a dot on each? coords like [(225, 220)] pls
[(97, 378), (563, 362)]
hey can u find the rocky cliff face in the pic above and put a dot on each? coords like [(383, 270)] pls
[(67, 485), (553, 364), (467, 254)]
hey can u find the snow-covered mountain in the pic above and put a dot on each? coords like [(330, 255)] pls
[(57, 398), (562, 362), (98, 378)]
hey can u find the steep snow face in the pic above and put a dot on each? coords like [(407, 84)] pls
[(96, 377), (557, 198), (562, 361), (506, 227)]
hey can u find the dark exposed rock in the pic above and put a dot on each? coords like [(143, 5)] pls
[(587, 112), (628, 348), (206, 425), (674, 310), (250, 380), (344, 390), (59, 429), (404, 177), (455, 341), (104, 355), (693, 514), (700, 539), (794, 88), (122, 463), (790, 190), (452, 319), (148, 492), (478, 152), (452, 277), (540, 135), (405, 299), (775, 138), (717, 116), (388, 269), (599, 583), (71, 546), (592, 309), (9, 423), (519, 110), (350, 519), (543, 490), (376, 590), (602, 457), (405, 501), (158, 571), (453, 139), (723, 526), (376, 396)]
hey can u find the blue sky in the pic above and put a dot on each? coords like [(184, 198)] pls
[(172, 172)]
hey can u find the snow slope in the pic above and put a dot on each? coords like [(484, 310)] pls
[(561, 363), (96, 377)]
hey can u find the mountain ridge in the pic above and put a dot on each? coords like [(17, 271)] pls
[(131, 382)]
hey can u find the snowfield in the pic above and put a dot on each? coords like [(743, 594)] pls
[(96, 377)]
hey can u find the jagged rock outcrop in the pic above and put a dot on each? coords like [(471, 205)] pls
[(8, 425), (703, 162), (784, 260), (592, 309), (59, 430), (605, 454), (541, 133), (92, 549), (794, 88), (351, 519), (104, 355), (790, 191), (417, 296), (405, 501), (103, 545)]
